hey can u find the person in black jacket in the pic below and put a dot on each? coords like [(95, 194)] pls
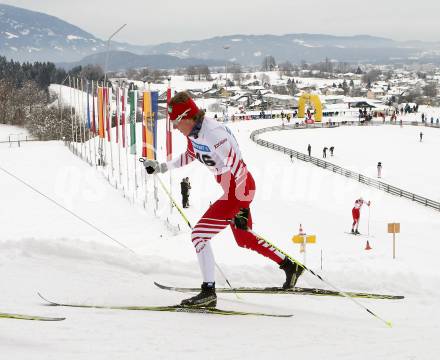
[(184, 190), (332, 148)]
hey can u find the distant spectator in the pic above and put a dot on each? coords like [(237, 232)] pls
[(309, 150), (324, 152), (379, 169), (423, 117), (332, 148), (184, 190), (421, 136)]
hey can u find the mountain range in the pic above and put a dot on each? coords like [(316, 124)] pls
[(32, 36)]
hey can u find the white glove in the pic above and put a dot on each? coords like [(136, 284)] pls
[(153, 167)]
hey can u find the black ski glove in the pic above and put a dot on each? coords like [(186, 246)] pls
[(153, 167), (241, 219)]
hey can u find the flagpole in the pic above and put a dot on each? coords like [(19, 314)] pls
[(75, 99), (74, 115), (61, 106), (144, 141), (79, 116), (108, 51), (169, 139), (124, 126), (88, 122), (94, 124), (155, 192), (71, 115), (101, 142), (118, 139), (110, 137)]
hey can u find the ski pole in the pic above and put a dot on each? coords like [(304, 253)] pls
[(188, 223), (388, 323), (174, 202)]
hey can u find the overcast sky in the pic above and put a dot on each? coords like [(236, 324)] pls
[(153, 22)]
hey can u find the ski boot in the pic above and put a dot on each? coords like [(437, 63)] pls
[(352, 231), (357, 232), (293, 272), (206, 298)]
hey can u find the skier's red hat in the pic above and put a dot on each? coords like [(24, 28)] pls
[(183, 110)]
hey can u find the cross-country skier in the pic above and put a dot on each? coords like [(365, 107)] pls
[(356, 214), (214, 145)]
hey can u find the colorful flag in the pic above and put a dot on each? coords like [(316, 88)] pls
[(169, 142), (108, 112), (101, 112), (147, 127), (117, 114), (123, 99), (132, 99), (88, 106), (155, 109), (93, 124)]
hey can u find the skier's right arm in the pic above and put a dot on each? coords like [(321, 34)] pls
[(183, 159)]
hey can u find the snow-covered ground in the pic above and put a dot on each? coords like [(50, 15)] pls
[(398, 149), (44, 248)]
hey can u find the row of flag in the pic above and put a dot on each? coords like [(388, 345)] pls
[(115, 108)]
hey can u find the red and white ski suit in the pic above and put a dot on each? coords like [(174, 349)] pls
[(216, 147), (356, 211)]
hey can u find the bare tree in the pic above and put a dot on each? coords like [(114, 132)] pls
[(370, 76), (285, 68), (191, 72), (30, 95), (236, 71), (92, 72), (268, 63), (204, 72), (45, 123)]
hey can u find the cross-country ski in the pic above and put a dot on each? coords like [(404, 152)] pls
[(30, 317), (171, 308), (281, 291)]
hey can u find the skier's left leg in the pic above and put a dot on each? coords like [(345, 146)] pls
[(248, 240)]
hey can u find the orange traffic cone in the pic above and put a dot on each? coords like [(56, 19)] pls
[(367, 246)]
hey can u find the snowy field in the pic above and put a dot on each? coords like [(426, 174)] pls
[(43, 248), (404, 158)]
